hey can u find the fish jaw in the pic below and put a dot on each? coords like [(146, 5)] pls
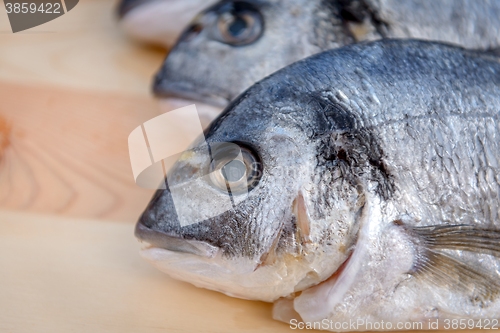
[(175, 90), (155, 238), (173, 80), (235, 278), (205, 265), (240, 277)]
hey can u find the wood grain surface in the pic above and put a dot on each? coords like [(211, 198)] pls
[(82, 49), (67, 275), (71, 91)]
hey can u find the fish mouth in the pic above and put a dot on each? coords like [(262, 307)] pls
[(159, 239), (163, 88)]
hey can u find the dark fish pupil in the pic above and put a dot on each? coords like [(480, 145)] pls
[(237, 27), (234, 170)]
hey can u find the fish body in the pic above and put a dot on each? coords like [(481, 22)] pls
[(376, 196), (233, 44)]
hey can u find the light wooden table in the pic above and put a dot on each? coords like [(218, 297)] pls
[(73, 275), (71, 91)]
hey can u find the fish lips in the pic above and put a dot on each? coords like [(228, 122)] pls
[(167, 84), (159, 239)]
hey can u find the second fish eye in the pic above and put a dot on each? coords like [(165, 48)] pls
[(239, 24)]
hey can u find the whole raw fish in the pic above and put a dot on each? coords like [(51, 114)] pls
[(363, 184)]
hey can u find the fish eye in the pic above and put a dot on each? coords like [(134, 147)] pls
[(234, 168), (239, 23), (233, 171)]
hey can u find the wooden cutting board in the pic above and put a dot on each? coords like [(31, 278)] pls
[(71, 91), (71, 275)]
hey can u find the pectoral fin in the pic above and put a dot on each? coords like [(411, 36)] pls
[(460, 237), (442, 269)]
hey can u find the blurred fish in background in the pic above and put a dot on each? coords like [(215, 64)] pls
[(161, 22), (233, 44)]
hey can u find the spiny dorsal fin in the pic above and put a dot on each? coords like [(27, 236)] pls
[(442, 269)]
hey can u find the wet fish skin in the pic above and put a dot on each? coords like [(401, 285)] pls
[(203, 68), (388, 207)]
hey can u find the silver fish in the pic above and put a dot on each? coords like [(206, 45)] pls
[(373, 178), (233, 44)]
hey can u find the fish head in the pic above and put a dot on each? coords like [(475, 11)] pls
[(233, 44), (240, 213), (316, 206)]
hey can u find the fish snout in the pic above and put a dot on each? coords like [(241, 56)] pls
[(158, 219), (170, 81), (173, 81), (146, 232)]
